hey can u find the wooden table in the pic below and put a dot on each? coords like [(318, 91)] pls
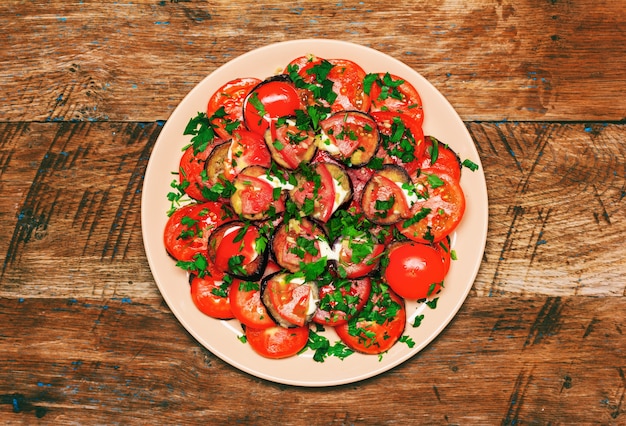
[(86, 337)]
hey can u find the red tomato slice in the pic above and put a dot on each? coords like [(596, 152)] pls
[(402, 140), (382, 191), (271, 99), (188, 229), (391, 93), (364, 334), (231, 96), (320, 189), (210, 297), (190, 173), (300, 62), (347, 83), (443, 247), (446, 160), (446, 206), (361, 265), (236, 239), (246, 305), (248, 149), (288, 300), (354, 134), (290, 145), (254, 197), (341, 300), (288, 241), (415, 271), (277, 342)]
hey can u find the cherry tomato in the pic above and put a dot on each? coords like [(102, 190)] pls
[(188, 228), (231, 97), (211, 297), (271, 99), (445, 203), (414, 271), (276, 341), (366, 333), (391, 93)]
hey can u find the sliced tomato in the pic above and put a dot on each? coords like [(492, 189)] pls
[(246, 304), (248, 149), (341, 299), (321, 190), (437, 214), (414, 270), (289, 144), (444, 249), (391, 93), (348, 77), (290, 300), (383, 200), (210, 296), (401, 140), (345, 77), (297, 241), (254, 197), (231, 97), (358, 257), (188, 229), (233, 249), (352, 137), (378, 326), (273, 98), (299, 63), (190, 173), (277, 342), (446, 160)]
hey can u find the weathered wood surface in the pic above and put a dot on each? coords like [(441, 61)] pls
[(517, 360), (86, 337), (71, 193), (494, 60)]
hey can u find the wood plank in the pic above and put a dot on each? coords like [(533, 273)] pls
[(494, 60), (511, 360), (70, 202)]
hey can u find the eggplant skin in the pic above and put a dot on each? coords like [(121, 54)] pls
[(393, 173), (284, 239), (283, 277), (253, 270)]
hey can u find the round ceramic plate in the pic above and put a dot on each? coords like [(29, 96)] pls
[(221, 337)]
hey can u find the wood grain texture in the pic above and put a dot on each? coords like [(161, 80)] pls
[(557, 359), (134, 61), (86, 338), (70, 199)]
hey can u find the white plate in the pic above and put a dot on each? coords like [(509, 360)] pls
[(221, 337)]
